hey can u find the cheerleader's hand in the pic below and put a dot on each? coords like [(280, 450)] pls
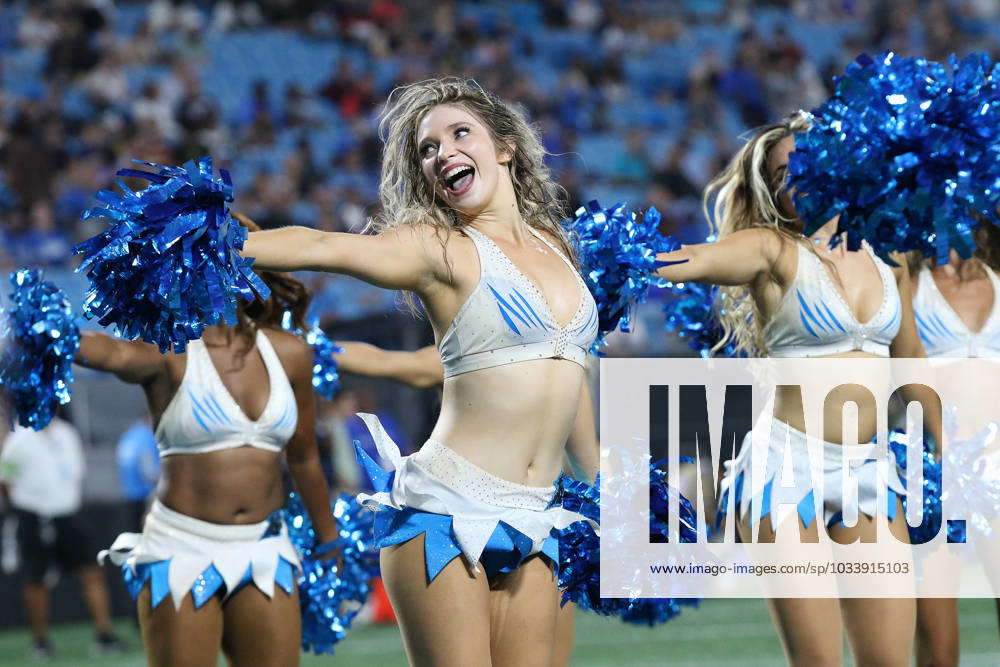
[(246, 221), (330, 551)]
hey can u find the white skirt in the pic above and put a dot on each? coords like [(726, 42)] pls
[(182, 555), (756, 472), (438, 481)]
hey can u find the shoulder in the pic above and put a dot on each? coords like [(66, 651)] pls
[(776, 239), (764, 238), (780, 251), (426, 235), (445, 249), (293, 352)]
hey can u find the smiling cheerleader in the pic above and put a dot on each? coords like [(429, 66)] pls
[(472, 227)]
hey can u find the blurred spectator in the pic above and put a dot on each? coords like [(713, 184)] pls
[(293, 86), (138, 468), (74, 51), (141, 48), (671, 175), (792, 82), (300, 110), (36, 30), (741, 85), (349, 94), (106, 84), (154, 108), (300, 168), (41, 475), (29, 163), (40, 242), (167, 15), (241, 14), (584, 14), (259, 103), (196, 111), (632, 162)]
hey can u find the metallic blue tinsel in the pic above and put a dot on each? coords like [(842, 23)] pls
[(41, 340), (617, 252), (328, 599), (579, 550), (691, 315), (931, 517), (906, 151), (326, 379), (168, 265)]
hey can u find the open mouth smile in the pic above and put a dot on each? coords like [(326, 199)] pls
[(457, 179)]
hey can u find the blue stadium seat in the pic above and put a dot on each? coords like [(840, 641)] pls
[(128, 17), (76, 105), (526, 15), (25, 62)]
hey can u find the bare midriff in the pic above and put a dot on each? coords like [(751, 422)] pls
[(512, 420), (232, 486), (788, 406)]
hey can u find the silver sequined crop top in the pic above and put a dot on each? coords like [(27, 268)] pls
[(506, 319), (204, 417), (943, 332), (814, 320)]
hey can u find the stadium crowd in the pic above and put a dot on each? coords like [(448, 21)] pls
[(637, 101)]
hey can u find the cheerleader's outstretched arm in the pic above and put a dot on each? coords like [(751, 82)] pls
[(405, 258), (419, 368), (130, 361), (738, 259), (301, 452)]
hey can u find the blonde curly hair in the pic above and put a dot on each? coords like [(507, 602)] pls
[(746, 198), (407, 198)]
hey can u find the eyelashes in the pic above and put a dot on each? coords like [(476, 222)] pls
[(463, 130)]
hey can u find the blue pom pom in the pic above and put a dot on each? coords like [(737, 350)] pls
[(659, 495), (168, 265), (617, 253), (691, 315), (931, 489), (906, 152), (41, 340), (326, 379), (330, 598), (579, 550)]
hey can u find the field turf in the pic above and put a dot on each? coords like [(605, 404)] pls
[(719, 633)]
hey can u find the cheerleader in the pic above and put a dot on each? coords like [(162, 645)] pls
[(470, 224), (791, 296), (213, 566), (957, 309), (422, 369)]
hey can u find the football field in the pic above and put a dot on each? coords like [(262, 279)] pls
[(719, 633)]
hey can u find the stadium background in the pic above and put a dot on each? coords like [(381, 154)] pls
[(638, 101)]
